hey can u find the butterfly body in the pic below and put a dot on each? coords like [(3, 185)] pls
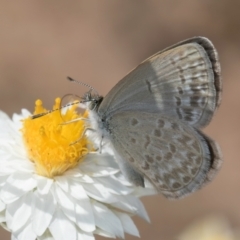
[(152, 118)]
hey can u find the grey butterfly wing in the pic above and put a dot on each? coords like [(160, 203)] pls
[(182, 81), (175, 157)]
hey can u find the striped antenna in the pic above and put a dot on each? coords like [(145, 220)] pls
[(57, 109), (69, 104), (83, 84)]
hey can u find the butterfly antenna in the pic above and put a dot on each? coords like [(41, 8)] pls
[(57, 109), (83, 84)]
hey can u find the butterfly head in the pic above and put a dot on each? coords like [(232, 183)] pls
[(92, 100)]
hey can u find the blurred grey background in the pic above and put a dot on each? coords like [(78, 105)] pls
[(99, 42)]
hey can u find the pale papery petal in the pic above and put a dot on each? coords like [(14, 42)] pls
[(17, 118), (128, 224), (2, 205), (133, 205), (13, 237), (61, 228), (97, 168), (107, 220), (85, 236), (62, 182), (17, 185), (25, 113), (85, 179), (113, 186), (104, 171), (43, 208), (140, 192), (44, 184), (10, 193), (46, 236), (4, 117), (66, 203), (23, 213), (77, 191), (2, 217), (73, 173), (84, 216), (11, 209), (120, 177), (98, 192), (21, 165), (8, 215), (104, 233), (7, 167), (26, 233), (95, 160)]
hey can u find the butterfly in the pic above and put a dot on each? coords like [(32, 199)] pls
[(153, 117)]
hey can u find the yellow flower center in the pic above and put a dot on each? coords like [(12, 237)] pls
[(53, 144)]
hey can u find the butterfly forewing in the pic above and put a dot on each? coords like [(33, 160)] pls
[(176, 158), (182, 82)]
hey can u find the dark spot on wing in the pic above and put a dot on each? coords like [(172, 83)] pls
[(134, 122), (149, 86)]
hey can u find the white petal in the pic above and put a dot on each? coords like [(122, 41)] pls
[(96, 159), (73, 173), (98, 192), (46, 236), (96, 165), (85, 179), (107, 220), (6, 168), (15, 163), (23, 213), (103, 171), (11, 209), (44, 184), (17, 118), (2, 206), (13, 237), (141, 192), (62, 182), (104, 233), (17, 185), (2, 217), (43, 208), (84, 216), (120, 177), (5, 226), (132, 204), (61, 228), (23, 165), (85, 236), (114, 186), (4, 116), (77, 190), (66, 203), (25, 113), (25, 233), (128, 224)]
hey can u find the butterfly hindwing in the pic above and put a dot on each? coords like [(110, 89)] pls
[(176, 158)]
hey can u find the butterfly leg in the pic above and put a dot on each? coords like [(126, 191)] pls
[(74, 120), (84, 132)]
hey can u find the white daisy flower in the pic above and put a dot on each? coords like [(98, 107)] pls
[(52, 189)]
